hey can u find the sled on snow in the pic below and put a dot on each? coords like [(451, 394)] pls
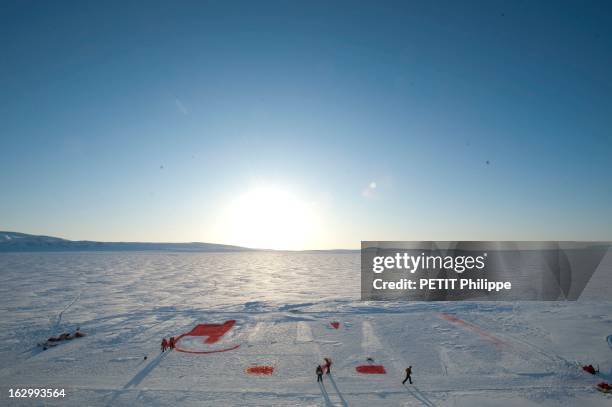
[(56, 340), (604, 387)]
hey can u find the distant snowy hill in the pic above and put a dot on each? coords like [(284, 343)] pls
[(22, 242)]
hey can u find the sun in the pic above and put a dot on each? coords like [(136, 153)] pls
[(269, 217)]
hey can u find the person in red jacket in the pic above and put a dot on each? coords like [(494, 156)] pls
[(171, 343), (164, 345), (328, 364)]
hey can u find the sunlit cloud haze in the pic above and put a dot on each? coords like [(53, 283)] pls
[(306, 125)]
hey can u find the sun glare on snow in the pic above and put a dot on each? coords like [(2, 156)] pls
[(269, 218)]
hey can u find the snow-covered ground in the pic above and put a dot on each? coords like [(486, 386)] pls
[(462, 353)]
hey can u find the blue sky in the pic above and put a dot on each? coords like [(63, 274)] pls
[(157, 121)]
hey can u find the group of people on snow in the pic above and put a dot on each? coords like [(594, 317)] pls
[(326, 368), (168, 344)]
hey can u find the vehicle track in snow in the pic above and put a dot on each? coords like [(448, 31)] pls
[(66, 308)]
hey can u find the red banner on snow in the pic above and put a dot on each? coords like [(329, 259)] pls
[(212, 333)]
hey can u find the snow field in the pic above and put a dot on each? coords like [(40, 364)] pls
[(452, 363)]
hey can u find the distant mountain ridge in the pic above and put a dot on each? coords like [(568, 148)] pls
[(22, 242)]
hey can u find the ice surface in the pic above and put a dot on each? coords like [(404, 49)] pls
[(493, 354)]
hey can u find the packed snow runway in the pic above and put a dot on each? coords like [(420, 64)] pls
[(462, 354)]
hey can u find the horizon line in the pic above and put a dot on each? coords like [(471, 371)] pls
[(245, 248)]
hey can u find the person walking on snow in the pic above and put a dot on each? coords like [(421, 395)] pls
[(164, 345), (319, 372), (171, 343), (408, 374), (328, 364)]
